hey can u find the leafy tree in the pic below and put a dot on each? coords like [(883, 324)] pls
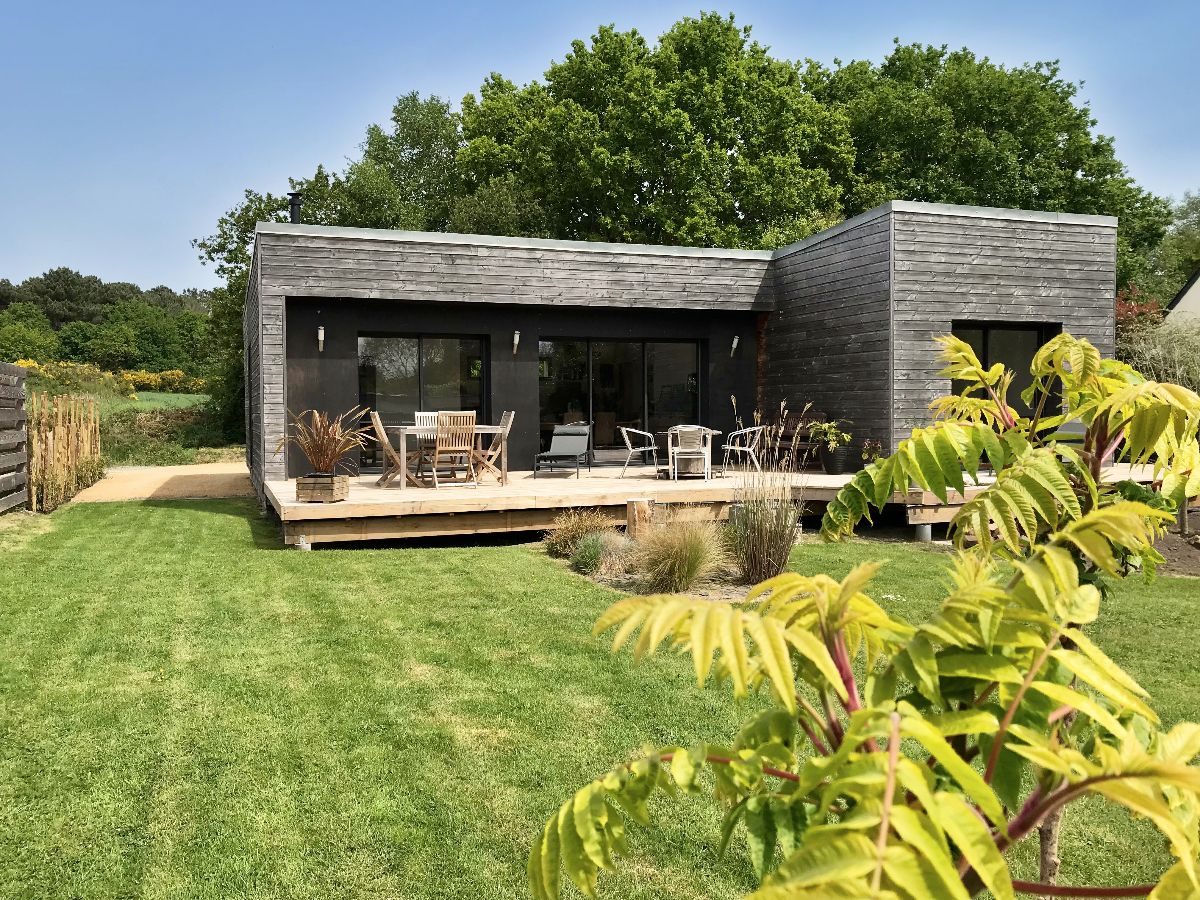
[(702, 139), (113, 346), (1173, 261), (25, 313), (74, 339), (25, 333), (950, 127), (862, 780)]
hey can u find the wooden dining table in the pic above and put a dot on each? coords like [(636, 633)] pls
[(399, 435)]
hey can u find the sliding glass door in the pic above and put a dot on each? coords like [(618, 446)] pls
[(648, 385), (399, 375)]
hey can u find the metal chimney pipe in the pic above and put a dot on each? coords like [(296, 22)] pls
[(295, 199)]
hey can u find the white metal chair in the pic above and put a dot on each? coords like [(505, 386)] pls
[(745, 443), (645, 444), (689, 442)]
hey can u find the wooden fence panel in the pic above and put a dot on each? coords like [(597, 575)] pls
[(14, 455), (64, 448)]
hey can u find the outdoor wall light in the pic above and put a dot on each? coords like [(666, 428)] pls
[(516, 341), (733, 346), (320, 338)]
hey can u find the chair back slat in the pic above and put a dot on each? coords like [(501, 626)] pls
[(380, 432), (425, 419), (691, 437), (455, 432)]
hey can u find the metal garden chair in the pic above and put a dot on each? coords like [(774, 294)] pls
[(644, 444)]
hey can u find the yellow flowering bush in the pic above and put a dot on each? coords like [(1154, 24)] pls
[(172, 381), (69, 377)]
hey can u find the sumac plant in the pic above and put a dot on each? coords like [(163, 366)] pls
[(904, 760)]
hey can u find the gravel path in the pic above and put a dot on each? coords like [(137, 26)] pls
[(198, 482)]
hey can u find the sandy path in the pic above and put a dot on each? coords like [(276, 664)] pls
[(198, 482)]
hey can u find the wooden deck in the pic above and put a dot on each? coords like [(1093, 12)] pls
[(525, 504), (530, 504)]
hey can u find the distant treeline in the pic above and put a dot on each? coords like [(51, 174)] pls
[(63, 315)]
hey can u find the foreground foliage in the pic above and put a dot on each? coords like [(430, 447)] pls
[(904, 759)]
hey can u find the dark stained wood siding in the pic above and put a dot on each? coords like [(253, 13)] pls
[(990, 268), (828, 341), (350, 264), (14, 459)]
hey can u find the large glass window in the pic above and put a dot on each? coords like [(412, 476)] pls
[(672, 385), (397, 376), (1012, 345), (648, 385)]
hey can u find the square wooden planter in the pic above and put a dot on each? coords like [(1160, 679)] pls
[(322, 488)]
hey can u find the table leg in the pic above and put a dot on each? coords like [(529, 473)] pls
[(504, 459), (403, 459)]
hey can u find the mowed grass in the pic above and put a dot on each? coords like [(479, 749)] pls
[(187, 710)]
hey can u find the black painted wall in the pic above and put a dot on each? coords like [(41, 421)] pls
[(329, 380)]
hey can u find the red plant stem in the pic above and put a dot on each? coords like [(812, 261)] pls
[(841, 659), (1053, 890), (817, 720), (889, 795), (836, 732), (1011, 712), (816, 742)]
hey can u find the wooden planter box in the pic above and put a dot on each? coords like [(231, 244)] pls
[(322, 488)]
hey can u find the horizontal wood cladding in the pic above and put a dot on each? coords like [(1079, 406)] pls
[(950, 268), (828, 341), (305, 265), (14, 458)]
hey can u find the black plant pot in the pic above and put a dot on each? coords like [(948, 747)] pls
[(845, 459)]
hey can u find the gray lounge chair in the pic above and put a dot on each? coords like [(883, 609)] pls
[(568, 443)]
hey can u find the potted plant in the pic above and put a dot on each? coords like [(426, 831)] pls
[(325, 441), (838, 455)]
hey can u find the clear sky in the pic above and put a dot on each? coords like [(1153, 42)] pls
[(127, 128)]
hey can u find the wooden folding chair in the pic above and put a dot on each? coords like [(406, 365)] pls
[(393, 465), (487, 458), (454, 441)]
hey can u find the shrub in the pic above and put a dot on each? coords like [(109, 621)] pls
[(604, 554), (764, 525), (56, 377), (570, 527), (674, 556), (172, 381), (906, 759), (1167, 352)]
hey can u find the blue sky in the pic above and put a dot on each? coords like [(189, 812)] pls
[(127, 128)]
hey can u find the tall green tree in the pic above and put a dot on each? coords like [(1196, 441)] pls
[(950, 127), (704, 138), (1177, 257)]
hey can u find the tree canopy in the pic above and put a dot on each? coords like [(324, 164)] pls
[(706, 138)]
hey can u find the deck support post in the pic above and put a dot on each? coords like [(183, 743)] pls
[(303, 543), (639, 515), (924, 533)]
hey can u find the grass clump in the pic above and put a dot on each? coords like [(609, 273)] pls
[(570, 527), (603, 554), (764, 525), (677, 555)]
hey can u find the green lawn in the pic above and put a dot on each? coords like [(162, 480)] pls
[(187, 710)]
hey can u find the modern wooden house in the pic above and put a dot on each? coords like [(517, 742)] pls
[(653, 336)]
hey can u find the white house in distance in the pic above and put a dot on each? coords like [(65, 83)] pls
[(1186, 304)]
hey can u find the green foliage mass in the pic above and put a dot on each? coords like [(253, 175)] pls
[(706, 138), (906, 759), (63, 315)]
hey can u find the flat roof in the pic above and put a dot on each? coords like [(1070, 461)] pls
[(495, 240)]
